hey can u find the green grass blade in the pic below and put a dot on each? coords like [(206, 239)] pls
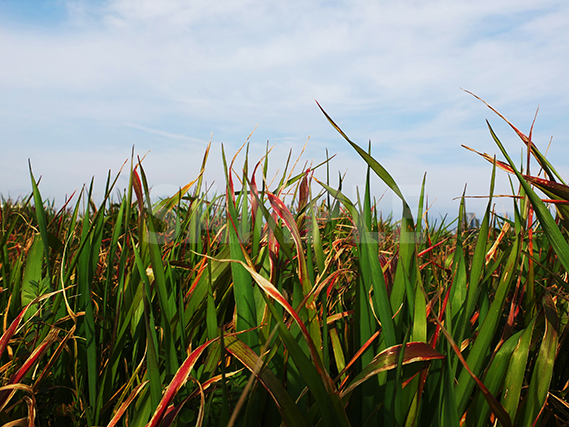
[(242, 284), (166, 297), (153, 368), (550, 228), (515, 376), (452, 400), (376, 167), (42, 220), (331, 410), (290, 413), (543, 369), (316, 378), (32, 273), (498, 370), (373, 267), (478, 260), (86, 325), (480, 348)]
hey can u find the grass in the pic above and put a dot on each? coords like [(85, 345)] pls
[(239, 309)]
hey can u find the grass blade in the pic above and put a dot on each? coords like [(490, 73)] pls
[(285, 404), (551, 229), (177, 382)]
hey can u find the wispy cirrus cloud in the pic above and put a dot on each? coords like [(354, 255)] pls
[(166, 134)]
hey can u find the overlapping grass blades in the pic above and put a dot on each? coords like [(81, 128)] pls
[(241, 309), (479, 351)]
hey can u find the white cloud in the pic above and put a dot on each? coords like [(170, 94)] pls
[(389, 71)]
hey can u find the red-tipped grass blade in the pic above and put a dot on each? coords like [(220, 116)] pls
[(388, 359), (7, 336), (137, 187), (28, 364), (177, 382), (135, 392)]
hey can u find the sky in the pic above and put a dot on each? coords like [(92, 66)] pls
[(82, 82)]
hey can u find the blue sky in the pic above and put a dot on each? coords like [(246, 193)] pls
[(81, 82)]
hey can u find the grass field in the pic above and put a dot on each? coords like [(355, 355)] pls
[(241, 309)]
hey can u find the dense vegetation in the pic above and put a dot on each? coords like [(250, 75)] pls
[(241, 309)]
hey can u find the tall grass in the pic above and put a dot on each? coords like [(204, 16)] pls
[(239, 309)]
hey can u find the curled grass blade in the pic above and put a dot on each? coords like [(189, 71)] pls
[(389, 359), (177, 382)]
